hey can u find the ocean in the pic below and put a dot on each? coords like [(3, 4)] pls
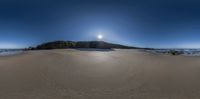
[(186, 52), (9, 52)]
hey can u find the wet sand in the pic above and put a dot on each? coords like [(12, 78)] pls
[(90, 74)]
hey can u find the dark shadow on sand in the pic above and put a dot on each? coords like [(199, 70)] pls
[(94, 49)]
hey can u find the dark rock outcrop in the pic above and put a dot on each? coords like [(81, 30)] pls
[(174, 52)]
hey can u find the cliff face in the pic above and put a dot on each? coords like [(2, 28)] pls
[(80, 44)]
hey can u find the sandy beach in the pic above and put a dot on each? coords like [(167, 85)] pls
[(90, 74)]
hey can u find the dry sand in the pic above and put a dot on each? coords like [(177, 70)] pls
[(82, 74)]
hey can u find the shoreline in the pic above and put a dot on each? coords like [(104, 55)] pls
[(187, 53)]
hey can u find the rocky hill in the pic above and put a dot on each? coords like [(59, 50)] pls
[(80, 44)]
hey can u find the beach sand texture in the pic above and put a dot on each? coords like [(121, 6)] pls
[(87, 74)]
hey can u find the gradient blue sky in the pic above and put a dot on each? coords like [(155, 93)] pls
[(144, 23)]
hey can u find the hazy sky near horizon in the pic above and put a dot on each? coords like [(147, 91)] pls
[(144, 23)]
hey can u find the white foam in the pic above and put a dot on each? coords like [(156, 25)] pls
[(186, 52), (10, 52)]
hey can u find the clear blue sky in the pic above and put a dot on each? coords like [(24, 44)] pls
[(144, 23)]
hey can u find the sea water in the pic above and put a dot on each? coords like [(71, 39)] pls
[(9, 52), (186, 52)]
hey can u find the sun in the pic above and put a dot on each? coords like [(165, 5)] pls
[(100, 36)]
